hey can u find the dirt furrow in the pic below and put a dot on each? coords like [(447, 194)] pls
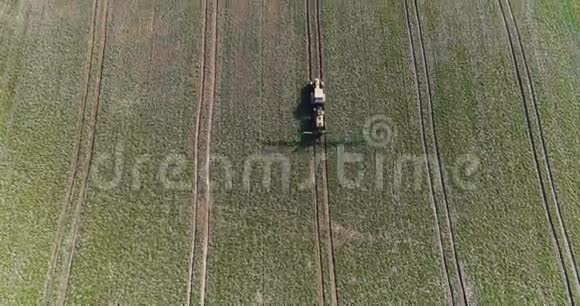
[(92, 138), (212, 89), (551, 181), (57, 243), (438, 154), (201, 211), (319, 39), (313, 165), (536, 158), (329, 243), (325, 191), (438, 232), (318, 248), (195, 143)]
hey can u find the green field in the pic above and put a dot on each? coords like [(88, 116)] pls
[(386, 239), (478, 110), (262, 247), (151, 152)]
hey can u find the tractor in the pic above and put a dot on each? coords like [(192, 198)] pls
[(317, 99)]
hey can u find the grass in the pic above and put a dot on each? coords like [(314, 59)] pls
[(384, 232), (262, 239), (133, 241), (36, 143), (551, 45), (13, 38), (503, 236), (570, 13), (392, 241)]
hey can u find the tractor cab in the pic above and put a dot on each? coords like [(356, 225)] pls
[(317, 99), (317, 95)]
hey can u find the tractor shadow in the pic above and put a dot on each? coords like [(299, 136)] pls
[(303, 114)]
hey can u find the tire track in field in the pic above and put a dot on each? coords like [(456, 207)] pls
[(317, 246), (524, 100), (319, 39), (325, 191), (210, 103), (439, 166), (544, 146), (260, 130), (195, 143), (329, 243), (92, 140), (57, 242), (438, 232)]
